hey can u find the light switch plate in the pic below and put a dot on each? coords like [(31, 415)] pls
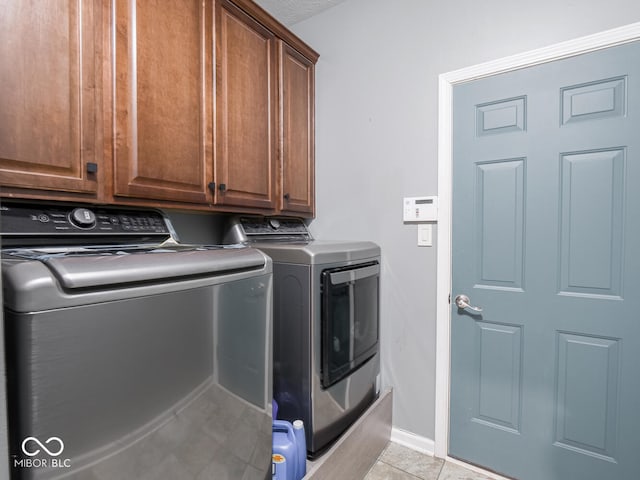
[(425, 235)]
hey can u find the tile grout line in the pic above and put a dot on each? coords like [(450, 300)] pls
[(399, 468), (402, 470)]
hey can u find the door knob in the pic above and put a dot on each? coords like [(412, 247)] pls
[(462, 301)]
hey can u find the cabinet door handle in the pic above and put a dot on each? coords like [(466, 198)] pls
[(212, 186), (92, 167), (286, 196), (222, 187)]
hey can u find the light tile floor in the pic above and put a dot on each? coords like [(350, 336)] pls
[(400, 463)]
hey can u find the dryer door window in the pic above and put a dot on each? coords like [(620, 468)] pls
[(350, 319)]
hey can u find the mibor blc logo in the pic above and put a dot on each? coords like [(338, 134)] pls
[(52, 447), (28, 448)]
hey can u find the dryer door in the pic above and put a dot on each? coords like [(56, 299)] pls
[(350, 317)]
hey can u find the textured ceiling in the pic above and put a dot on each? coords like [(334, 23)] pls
[(289, 12)]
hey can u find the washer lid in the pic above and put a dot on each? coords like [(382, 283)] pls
[(102, 270)]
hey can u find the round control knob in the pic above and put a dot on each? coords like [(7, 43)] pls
[(83, 218), (274, 223)]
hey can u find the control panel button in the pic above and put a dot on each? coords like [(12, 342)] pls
[(82, 218), (274, 223)]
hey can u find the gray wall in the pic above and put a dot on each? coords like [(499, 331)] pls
[(376, 137)]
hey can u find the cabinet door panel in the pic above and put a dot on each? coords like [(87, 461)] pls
[(163, 144), (246, 100), (297, 83), (50, 97)]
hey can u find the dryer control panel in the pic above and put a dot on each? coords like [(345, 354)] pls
[(248, 229)]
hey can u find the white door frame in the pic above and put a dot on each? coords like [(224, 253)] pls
[(447, 81)]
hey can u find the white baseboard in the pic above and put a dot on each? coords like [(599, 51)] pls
[(413, 441)]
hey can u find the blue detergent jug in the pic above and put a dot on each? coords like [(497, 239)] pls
[(285, 449), (289, 454)]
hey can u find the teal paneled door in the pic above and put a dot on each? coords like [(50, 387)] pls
[(545, 380)]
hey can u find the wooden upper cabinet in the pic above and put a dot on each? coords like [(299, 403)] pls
[(246, 110), (163, 100), (203, 104), (50, 86), (297, 130)]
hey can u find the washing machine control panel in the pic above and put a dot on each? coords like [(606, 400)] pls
[(53, 219)]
